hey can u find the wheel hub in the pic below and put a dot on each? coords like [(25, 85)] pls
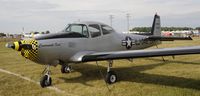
[(113, 78), (67, 69), (46, 82)]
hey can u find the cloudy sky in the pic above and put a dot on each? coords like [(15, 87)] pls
[(54, 15)]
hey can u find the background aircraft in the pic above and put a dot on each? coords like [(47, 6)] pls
[(94, 41), (34, 34)]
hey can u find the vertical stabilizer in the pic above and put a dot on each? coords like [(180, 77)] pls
[(156, 27)]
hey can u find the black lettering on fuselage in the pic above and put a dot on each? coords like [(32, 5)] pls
[(49, 45)]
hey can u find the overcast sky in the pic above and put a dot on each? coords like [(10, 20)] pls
[(54, 15)]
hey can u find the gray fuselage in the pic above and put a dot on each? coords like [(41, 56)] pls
[(53, 50)]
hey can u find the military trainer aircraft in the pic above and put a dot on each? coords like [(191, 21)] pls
[(94, 41)]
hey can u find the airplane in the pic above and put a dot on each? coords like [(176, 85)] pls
[(34, 34), (94, 41)]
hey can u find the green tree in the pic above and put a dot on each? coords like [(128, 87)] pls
[(2, 34), (197, 28)]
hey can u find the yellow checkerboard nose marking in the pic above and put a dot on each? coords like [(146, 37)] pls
[(31, 54)]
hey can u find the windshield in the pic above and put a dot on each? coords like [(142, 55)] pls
[(77, 29)]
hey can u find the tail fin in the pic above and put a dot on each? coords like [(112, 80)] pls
[(156, 27)]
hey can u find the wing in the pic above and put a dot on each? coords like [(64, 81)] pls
[(140, 53), (162, 38)]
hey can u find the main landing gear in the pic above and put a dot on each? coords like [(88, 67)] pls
[(111, 76), (66, 68), (46, 79)]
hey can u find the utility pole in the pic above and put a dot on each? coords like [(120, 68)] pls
[(111, 20), (79, 20), (23, 33), (128, 18)]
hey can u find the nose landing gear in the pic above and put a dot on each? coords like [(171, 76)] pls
[(46, 80)]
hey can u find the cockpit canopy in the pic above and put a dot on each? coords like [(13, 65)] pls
[(89, 29), (81, 30)]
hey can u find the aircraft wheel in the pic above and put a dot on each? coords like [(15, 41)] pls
[(65, 69), (111, 77), (45, 81)]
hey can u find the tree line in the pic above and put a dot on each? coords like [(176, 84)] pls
[(148, 29), (2, 34)]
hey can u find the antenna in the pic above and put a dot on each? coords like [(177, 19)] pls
[(79, 20), (111, 20), (23, 30)]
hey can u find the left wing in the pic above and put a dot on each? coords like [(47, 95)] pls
[(98, 56)]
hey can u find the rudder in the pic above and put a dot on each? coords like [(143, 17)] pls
[(156, 27)]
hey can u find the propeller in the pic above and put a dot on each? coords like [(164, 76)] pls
[(18, 46)]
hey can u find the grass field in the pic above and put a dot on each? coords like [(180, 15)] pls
[(142, 77)]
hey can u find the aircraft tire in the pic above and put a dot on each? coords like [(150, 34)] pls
[(111, 77), (65, 69), (44, 81)]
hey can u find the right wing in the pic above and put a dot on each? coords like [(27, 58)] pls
[(162, 38), (98, 56)]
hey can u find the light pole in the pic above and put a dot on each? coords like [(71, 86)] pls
[(111, 20), (128, 17)]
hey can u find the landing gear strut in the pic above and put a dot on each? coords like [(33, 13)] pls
[(46, 79), (111, 76), (66, 68)]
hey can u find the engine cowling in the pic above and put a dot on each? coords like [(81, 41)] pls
[(28, 48)]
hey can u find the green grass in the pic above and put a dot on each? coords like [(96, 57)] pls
[(142, 77)]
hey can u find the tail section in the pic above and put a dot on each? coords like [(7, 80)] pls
[(156, 27), (156, 32)]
